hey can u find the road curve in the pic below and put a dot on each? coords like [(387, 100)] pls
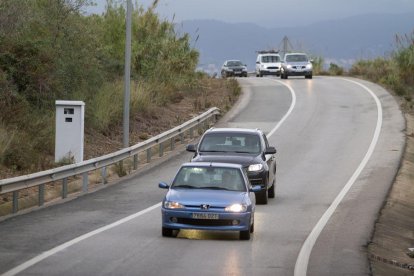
[(328, 127)]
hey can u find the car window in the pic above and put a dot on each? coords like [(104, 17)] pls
[(270, 59), (265, 140), (296, 58), (230, 142), (215, 178), (234, 63)]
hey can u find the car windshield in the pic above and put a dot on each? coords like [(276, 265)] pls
[(230, 142), (234, 63), (270, 59), (212, 178), (296, 58)]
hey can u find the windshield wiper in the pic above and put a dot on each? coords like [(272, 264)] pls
[(185, 186), (213, 151)]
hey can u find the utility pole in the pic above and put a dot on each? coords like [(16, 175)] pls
[(127, 78), (286, 45)]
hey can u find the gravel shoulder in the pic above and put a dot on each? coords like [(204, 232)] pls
[(394, 230)]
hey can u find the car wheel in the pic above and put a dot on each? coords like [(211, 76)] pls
[(261, 197), (252, 227), (272, 190), (261, 74), (245, 235), (167, 232), (308, 76)]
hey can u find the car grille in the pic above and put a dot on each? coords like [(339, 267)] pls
[(256, 182), (273, 67), (299, 67), (205, 222)]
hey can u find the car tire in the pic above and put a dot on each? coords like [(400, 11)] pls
[(252, 227), (167, 232), (271, 192), (261, 74), (245, 235), (308, 76), (261, 197)]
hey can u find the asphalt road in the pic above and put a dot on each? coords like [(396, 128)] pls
[(339, 145)]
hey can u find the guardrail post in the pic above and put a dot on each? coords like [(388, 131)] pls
[(191, 133), (41, 194), (172, 144), (103, 174), (182, 138), (148, 155), (64, 188), (136, 161), (15, 202), (85, 182), (161, 150)]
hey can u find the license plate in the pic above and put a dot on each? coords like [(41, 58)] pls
[(205, 216)]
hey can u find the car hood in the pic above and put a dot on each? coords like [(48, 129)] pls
[(196, 197), (242, 159)]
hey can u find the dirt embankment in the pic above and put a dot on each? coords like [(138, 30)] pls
[(389, 250)]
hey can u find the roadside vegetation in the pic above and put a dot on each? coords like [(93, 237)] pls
[(396, 72), (51, 50)]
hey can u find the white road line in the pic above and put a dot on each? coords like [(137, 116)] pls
[(301, 265), (292, 105), (61, 247)]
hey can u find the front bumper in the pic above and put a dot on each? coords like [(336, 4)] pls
[(236, 73), (270, 72), (298, 72), (258, 178), (183, 219)]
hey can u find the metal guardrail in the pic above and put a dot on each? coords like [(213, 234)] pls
[(82, 168)]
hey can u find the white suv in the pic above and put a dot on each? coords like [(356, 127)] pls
[(268, 63)]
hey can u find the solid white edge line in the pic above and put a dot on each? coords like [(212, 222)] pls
[(65, 245), (301, 265), (61, 247), (292, 105)]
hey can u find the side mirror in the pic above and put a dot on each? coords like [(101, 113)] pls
[(257, 62), (270, 150), (255, 189), (163, 185), (191, 148), (311, 60)]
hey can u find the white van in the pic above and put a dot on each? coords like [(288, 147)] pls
[(268, 63)]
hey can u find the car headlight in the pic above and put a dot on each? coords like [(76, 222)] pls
[(255, 168), (173, 205), (244, 69), (236, 208), (289, 66), (309, 66)]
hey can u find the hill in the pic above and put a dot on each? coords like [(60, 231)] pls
[(340, 41)]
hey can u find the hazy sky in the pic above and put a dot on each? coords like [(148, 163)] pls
[(271, 13)]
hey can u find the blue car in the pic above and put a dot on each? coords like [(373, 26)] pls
[(209, 196)]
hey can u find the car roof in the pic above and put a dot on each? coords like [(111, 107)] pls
[(212, 164), (295, 54), (235, 130)]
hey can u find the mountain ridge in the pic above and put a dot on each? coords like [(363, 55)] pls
[(341, 41)]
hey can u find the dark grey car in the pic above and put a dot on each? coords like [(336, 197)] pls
[(233, 68), (248, 147)]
